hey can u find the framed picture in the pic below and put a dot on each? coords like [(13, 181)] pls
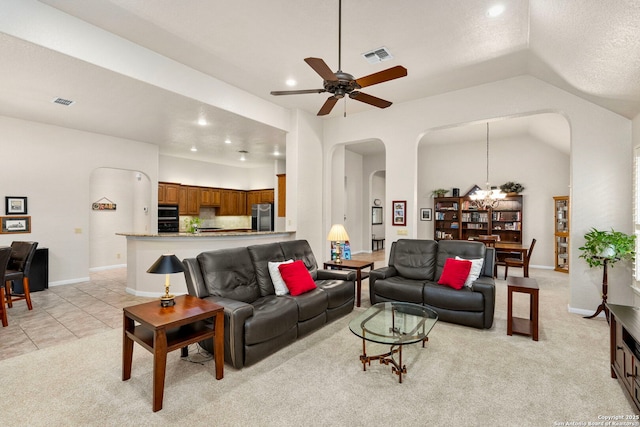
[(15, 205), (400, 212), (16, 224), (425, 214), (376, 215)]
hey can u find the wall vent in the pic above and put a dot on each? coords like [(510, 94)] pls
[(62, 101), (377, 55)]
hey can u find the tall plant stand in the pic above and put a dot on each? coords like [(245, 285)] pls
[(605, 287)]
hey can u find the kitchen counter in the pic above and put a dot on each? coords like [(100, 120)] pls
[(143, 249)]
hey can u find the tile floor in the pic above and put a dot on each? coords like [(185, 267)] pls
[(68, 312)]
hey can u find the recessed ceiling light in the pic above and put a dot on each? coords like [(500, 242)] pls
[(194, 148), (291, 82), (227, 141), (495, 11), (276, 152), (202, 121)]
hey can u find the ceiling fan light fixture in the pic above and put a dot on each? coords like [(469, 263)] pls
[(495, 11)]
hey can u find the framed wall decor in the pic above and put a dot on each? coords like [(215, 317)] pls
[(15, 224), (400, 212), (15, 205), (425, 214), (376, 215)]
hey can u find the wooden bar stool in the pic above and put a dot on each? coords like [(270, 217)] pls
[(516, 325)]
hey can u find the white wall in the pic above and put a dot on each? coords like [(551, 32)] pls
[(131, 192), (193, 172), (540, 168), (53, 168), (354, 188), (600, 160)]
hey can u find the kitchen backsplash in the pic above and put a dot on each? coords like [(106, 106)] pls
[(209, 219)]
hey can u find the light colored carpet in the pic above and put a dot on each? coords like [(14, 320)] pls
[(464, 377)]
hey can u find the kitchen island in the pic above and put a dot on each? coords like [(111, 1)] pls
[(144, 249)]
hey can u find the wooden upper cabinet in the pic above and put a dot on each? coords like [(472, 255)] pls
[(266, 196), (253, 197), (189, 200), (282, 194), (168, 193), (209, 197)]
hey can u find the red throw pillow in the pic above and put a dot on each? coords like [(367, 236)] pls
[(455, 273), (297, 277)]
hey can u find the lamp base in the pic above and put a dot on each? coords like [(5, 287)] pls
[(167, 301)]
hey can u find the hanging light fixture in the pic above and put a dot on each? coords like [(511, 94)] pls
[(489, 198)]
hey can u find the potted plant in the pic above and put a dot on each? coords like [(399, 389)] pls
[(512, 188), (440, 192), (611, 245), (192, 224)]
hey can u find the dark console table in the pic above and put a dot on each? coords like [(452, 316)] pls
[(624, 323), (39, 274)]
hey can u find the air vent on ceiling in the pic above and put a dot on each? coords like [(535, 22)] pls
[(377, 55), (62, 101)]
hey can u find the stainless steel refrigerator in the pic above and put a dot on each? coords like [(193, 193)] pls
[(262, 217)]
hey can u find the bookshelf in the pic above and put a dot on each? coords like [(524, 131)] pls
[(561, 233), (458, 218), (447, 218)]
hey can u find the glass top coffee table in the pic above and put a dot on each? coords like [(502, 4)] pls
[(395, 324)]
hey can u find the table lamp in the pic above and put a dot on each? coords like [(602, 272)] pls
[(338, 234), (166, 264)]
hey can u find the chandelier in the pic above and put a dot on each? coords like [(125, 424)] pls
[(489, 198)]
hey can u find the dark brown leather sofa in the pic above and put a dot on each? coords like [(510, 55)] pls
[(412, 276), (257, 323)]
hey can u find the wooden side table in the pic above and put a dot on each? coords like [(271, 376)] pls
[(351, 264), (164, 329), (516, 325)]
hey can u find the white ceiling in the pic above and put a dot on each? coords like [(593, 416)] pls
[(587, 47)]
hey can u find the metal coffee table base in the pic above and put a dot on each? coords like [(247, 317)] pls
[(397, 367)]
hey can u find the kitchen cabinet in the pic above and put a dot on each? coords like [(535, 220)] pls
[(168, 193), (232, 202), (282, 194), (209, 197), (189, 200), (266, 196)]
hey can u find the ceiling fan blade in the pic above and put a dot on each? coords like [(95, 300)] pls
[(371, 100), (328, 106), (297, 92), (321, 68), (382, 76)]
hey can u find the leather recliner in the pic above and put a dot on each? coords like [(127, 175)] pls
[(412, 276), (257, 322)]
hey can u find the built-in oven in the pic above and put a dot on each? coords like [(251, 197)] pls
[(168, 219)]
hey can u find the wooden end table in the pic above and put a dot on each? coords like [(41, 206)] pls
[(351, 264), (516, 325), (165, 329)]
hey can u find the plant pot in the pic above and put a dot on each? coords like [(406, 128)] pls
[(608, 252), (512, 194)]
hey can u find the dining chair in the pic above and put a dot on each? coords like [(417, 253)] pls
[(5, 254), (520, 263), (19, 266)]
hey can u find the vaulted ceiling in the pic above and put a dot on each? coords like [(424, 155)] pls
[(586, 47)]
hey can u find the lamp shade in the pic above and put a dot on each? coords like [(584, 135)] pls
[(166, 264), (337, 233)]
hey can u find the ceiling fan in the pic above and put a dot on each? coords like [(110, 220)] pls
[(339, 84)]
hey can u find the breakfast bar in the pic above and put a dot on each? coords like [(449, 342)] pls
[(144, 249)]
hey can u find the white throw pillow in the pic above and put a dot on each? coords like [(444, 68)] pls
[(276, 277), (476, 269)]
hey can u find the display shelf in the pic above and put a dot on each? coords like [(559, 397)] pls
[(561, 233)]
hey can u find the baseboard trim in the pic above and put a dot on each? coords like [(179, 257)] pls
[(107, 267), (583, 312), (69, 281)]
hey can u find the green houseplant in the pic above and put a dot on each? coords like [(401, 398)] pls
[(192, 224), (440, 192), (612, 245), (512, 187)]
